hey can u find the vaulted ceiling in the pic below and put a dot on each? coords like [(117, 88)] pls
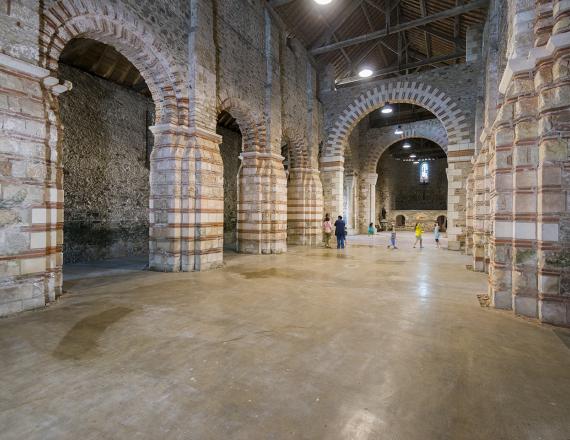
[(105, 62), (390, 37)]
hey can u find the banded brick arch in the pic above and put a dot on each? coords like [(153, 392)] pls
[(111, 24), (298, 149), (252, 131), (433, 132), (420, 94)]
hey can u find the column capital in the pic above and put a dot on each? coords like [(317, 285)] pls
[(370, 178)]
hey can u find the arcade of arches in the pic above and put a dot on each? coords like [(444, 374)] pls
[(149, 140)]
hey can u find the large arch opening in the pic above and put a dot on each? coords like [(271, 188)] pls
[(230, 150), (106, 158), (412, 183), (444, 113), (380, 136)]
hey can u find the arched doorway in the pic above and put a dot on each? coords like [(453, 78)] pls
[(447, 111), (442, 222), (412, 179), (230, 150), (400, 221), (105, 155)]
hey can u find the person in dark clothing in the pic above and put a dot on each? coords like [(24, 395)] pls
[(340, 232)]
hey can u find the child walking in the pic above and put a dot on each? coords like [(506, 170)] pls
[(419, 237), (393, 238), (371, 229), (436, 235)]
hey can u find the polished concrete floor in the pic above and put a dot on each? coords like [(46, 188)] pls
[(365, 343)]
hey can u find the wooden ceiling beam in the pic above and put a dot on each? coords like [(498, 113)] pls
[(457, 42), (279, 3), (371, 26), (332, 27), (453, 12), (395, 68), (427, 37)]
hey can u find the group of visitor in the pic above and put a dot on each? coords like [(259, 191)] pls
[(341, 232)]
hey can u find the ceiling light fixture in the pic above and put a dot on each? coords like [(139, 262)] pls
[(400, 131), (387, 109), (416, 162), (323, 2), (406, 145), (365, 73), (412, 156)]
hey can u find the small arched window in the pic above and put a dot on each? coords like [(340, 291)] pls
[(424, 172)]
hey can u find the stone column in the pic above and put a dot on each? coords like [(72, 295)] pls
[(371, 180), (31, 190), (367, 201), (332, 176), (480, 212), (553, 253), (458, 169), (277, 190), (202, 167), (470, 212), (501, 203), (165, 204), (262, 204), (304, 207), (524, 161), (204, 181), (349, 212)]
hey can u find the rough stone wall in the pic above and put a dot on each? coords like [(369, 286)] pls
[(230, 149), (105, 167), (399, 186), (426, 218)]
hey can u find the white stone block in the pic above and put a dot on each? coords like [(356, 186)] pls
[(548, 232), (39, 216), (38, 240), (525, 230), (503, 229)]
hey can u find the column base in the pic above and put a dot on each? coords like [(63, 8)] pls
[(525, 306), (502, 300), (554, 310)]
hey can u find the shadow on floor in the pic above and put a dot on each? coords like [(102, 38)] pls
[(104, 268)]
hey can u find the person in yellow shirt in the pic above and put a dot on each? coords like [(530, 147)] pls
[(419, 238)]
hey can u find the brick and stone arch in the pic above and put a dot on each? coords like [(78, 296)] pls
[(368, 182), (451, 116), (298, 148), (252, 128), (433, 132), (112, 24)]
